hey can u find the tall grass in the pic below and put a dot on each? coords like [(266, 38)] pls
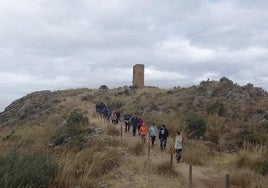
[(244, 178), (84, 168), (194, 152)]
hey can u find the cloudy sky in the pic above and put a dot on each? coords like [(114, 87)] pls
[(61, 44)]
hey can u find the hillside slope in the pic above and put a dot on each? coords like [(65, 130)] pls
[(91, 153)]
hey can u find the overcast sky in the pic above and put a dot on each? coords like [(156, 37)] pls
[(62, 44)]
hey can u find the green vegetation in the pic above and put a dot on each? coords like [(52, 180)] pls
[(26, 170), (216, 108), (75, 130), (195, 127)]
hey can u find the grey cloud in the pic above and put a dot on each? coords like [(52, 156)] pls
[(67, 44)]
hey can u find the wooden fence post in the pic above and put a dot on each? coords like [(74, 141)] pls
[(227, 181), (190, 175), (171, 159), (121, 132), (149, 149)]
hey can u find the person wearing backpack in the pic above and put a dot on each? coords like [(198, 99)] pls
[(140, 122), (153, 133), (127, 118), (134, 123), (163, 134)]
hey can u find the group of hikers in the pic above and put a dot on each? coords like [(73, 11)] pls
[(138, 126)]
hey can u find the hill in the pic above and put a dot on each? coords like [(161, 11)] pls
[(224, 125)]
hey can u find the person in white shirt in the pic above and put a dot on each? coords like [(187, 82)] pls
[(153, 132), (178, 146)]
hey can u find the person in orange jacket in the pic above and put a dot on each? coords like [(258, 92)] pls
[(143, 132)]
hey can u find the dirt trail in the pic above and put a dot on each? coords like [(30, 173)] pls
[(202, 177)]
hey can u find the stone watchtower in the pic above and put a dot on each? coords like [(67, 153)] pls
[(138, 75)]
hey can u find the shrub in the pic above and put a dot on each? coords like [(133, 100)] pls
[(216, 108), (59, 138), (31, 170), (244, 178), (137, 149), (73, 132), (75, 122), (104, 162), (165, 169), (226, 81), (213, 136), (194, 152), (112, 131), (247, 136), (262, 167), (103, 87), (195, 127)]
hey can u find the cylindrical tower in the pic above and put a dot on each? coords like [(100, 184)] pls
[(138, 75)]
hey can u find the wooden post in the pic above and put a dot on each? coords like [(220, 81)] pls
[(171, 159), (149, 149), (121, 133), (190, 175), (227, 181)]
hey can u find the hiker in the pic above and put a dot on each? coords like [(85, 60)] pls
[(143, 132), (153, 132), (114, 118), (163, 134), (134, 123), (117, 117), (178, 146), (140, 122), (127, 118), (106, 113)]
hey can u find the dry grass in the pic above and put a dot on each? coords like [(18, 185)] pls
[(112, 162), (244, 178), (137, 149), (86, 167), (166, 169), (111, 130), (194, 152)]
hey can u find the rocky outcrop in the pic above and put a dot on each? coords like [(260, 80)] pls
[(30, 106)]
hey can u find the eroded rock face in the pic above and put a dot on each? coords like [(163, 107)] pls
[(30, 106)]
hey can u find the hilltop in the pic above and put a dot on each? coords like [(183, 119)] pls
[(219, 117)]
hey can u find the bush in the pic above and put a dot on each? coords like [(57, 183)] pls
[(103, 87), (104, 162), (216, 108), (137, 149), (244, 178), (262, 167), (32, 170), (226, 81), (112, 131), (165, 169), (247, 136), (194, 152), (213, 136), (75, 122), (74, 130), (195, 127)]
